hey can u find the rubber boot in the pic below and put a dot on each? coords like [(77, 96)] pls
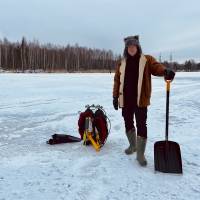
[(141, 145), (131, 135)]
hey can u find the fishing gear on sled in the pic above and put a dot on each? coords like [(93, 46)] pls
[(93, 126)]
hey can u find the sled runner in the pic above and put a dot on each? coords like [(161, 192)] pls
[(93, 126), (167, 154)]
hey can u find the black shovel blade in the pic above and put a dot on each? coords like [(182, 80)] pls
[(167, 157)]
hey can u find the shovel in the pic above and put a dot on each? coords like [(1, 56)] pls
[(167, 154)]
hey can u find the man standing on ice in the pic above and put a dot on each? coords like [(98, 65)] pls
[(132, 92)]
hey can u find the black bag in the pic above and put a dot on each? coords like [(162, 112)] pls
[(62, 138)]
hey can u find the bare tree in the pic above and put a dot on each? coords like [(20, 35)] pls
[(21, 56)]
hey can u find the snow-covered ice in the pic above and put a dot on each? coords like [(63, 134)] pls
[(35, 106)]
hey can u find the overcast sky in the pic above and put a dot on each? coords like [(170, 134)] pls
[(163, 26)]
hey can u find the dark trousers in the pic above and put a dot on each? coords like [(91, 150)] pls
[(140, 116)]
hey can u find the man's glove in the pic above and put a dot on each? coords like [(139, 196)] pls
[(169, 74), (115, 103)]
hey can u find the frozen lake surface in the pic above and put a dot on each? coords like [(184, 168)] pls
[(35, 106)]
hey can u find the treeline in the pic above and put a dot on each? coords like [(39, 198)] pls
[(30, 56), (188, 66), (26, 56)]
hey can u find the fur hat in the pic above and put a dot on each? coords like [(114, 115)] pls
[(132, 40)]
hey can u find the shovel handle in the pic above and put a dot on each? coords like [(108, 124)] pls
[(167, 108), (168, 84)]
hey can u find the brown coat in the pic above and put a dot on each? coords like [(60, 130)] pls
[(147, 66)]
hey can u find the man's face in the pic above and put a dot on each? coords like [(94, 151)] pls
[(132, 50)]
